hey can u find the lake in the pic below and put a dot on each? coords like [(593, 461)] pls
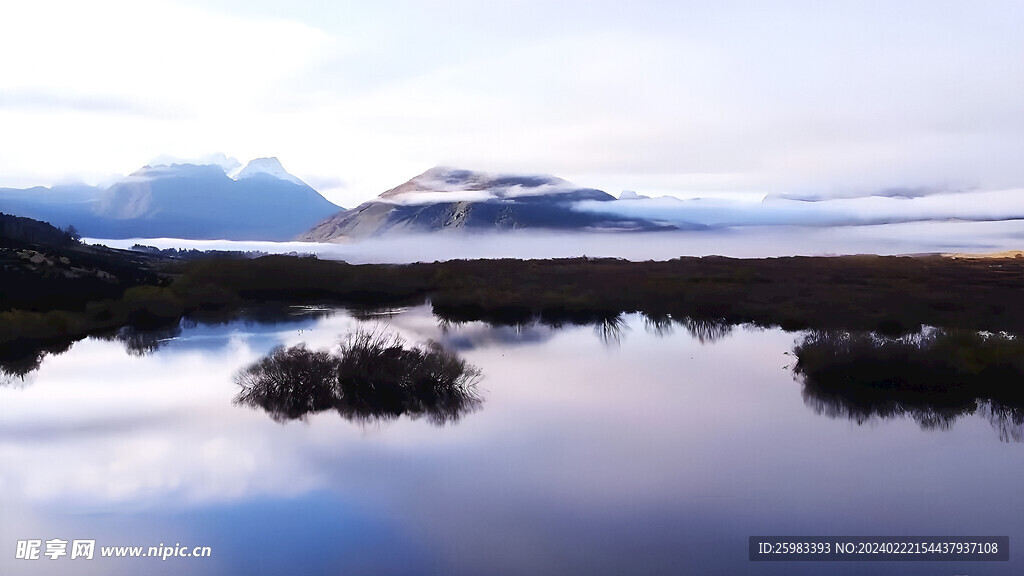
[(633, 447)]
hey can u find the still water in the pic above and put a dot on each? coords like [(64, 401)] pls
[(634, 447)]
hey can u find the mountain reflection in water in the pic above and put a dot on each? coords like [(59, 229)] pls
[(373, 377), (935, 377)]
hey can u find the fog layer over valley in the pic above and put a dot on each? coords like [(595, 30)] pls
[(738, 242), (452, 213), (882, 208)]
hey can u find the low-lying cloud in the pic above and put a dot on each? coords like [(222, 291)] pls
[(417, 198), (775, 211), (739, 242)]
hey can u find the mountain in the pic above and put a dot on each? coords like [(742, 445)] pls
[(262, 202), (62, 206), (267, 168), (444, 198)]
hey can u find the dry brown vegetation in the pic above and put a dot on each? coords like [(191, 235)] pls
[(889, 295)]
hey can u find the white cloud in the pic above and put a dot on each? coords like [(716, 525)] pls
[(100, 88), (977, 206), (415, 198), (158, 51), (752, 241), (677, 97)]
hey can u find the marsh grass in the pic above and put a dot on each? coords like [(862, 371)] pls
[(705, 296), (373, 376), (934, 377)]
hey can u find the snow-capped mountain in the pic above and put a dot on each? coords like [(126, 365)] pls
[(444, 198), (197, 201), (443, 183), (266, 167)]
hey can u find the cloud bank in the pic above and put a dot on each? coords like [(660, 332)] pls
[(773, 211), (739, 242)]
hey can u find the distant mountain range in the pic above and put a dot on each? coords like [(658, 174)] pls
[(262, 202), (448, 199)]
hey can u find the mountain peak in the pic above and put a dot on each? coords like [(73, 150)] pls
[(270, 166), (227, 164), (450, 179), (449, 199)]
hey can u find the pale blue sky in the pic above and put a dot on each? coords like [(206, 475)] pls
[(660, 97)]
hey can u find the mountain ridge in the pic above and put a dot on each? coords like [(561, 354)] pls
[(182, 200), (446, 199)]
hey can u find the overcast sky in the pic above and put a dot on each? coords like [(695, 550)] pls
[(690, 98)]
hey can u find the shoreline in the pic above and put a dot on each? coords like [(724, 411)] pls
[(890, 295), (1005, 254)]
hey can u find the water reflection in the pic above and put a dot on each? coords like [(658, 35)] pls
[(372, 313), (704, 330), (138, 342), (466, 336), (18, 361), (610, 329), (658, 324), (602, 451), (935, 377), (707, 330), (373, 377)]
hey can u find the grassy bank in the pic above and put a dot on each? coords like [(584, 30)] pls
[(886, 294), (889, 295)]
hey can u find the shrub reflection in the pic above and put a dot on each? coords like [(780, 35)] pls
[(18, 361), (935, 377), (374, 376)]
